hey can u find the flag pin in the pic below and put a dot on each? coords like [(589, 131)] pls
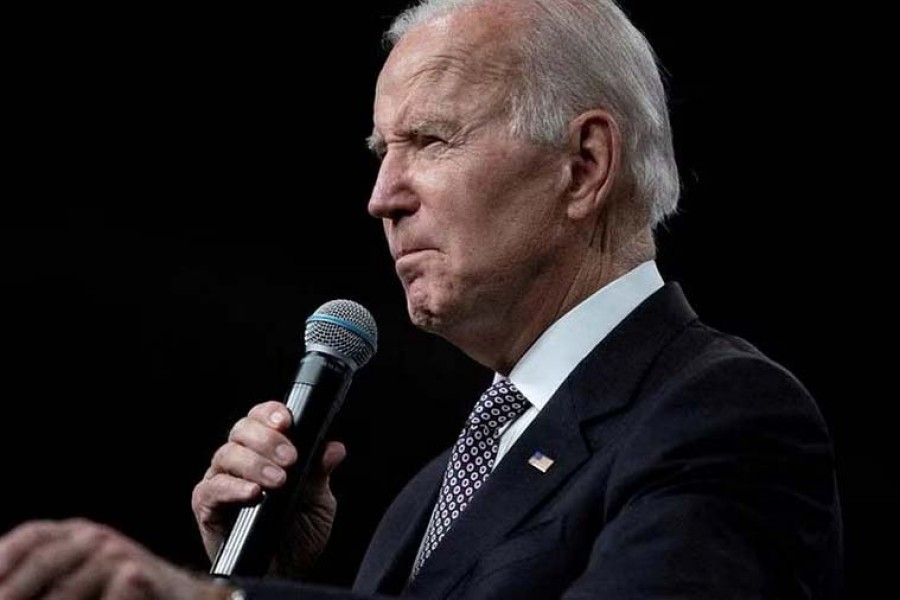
[(540, 462)]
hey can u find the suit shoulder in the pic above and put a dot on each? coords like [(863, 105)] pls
[(706, 358)]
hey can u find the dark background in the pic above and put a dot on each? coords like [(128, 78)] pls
[(184, 187)]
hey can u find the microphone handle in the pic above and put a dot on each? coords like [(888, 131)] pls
[(314, 399)]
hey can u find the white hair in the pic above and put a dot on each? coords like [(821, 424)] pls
[(579, 55)]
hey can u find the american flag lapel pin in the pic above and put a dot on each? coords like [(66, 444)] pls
[(540, 462)]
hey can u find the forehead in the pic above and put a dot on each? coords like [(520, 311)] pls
[(467, 54)]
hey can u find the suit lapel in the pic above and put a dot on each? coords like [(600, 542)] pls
[(606, 380), (388, 561), (513, 490)]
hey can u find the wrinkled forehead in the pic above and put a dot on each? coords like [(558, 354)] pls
[(470, 47)]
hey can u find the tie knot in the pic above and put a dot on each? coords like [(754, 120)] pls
[(499, 404)]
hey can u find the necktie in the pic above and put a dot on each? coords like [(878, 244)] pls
[(471, 460)]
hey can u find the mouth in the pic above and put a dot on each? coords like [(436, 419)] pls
[(409, 252), (412, 264)]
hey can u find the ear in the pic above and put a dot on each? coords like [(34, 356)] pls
[(594, 149)]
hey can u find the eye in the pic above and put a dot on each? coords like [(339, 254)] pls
[(429, 140)]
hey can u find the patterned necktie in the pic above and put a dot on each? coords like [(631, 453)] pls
[(472, 460)]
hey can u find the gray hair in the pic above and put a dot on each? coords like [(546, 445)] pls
[(580, 55)]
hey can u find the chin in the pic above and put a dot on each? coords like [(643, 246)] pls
[(425, 310), (423, 317)]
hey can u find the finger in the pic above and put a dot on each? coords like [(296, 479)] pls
[(332, 456), (146, 576), (262, 439), (101, 553), (222, 489), (273, 413), (16, 545), (56, 552), (244, 463), (131, 580), (83, 582), (109, 554)]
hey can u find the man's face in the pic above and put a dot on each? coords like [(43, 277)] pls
[(472, 216)]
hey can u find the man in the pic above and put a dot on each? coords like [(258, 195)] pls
[(625, 450)]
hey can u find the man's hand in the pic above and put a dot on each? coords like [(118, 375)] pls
[(255, 458), (79, 559)]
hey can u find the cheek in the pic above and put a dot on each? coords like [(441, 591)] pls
[(469, 239), (487, 217)]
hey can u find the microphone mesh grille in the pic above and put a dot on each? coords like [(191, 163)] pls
[(344, 327)]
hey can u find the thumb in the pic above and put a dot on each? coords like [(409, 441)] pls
[(334, 455)]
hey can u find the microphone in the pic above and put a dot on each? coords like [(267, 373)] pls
[(340, 337)]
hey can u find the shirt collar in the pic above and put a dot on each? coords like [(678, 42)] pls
[(556, 353)]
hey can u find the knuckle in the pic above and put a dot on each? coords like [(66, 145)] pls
[(220, 456), (103, 539), (82, 523), (89, 532), (205, 493), (238, 427), (108, 548), (265, 411), (130, 578), (270, 406), (42, 559), (259, 411), (33, 529), (198, 495)]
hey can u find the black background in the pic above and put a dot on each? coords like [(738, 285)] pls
[(184, 186)]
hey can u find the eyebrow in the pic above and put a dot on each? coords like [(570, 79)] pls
[(376, 144)]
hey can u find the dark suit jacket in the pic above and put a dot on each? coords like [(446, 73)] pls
[(686, 465)]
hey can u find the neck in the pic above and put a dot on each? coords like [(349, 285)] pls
[(608, 254)]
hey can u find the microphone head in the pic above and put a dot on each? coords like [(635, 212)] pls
[(345, 329)]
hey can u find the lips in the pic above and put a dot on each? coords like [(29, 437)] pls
[(404, 252), (412, 263), (411, 251)]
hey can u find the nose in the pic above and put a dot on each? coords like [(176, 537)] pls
[(393, 196)]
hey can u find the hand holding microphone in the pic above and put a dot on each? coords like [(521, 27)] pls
[(274, 464), (273, 458)]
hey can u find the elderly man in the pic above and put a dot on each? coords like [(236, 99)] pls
[(625, 449)]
